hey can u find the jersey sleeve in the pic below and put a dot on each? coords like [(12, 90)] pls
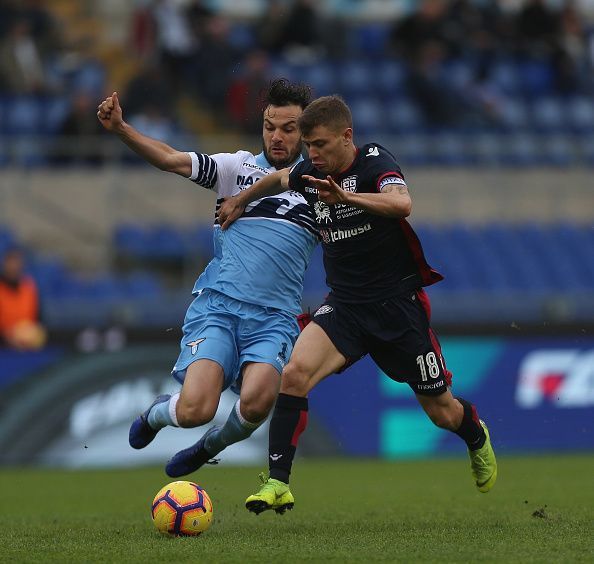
[(295, 181), (385, 171), (214, 172)]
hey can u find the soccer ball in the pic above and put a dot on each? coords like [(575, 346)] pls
[(182, 509)]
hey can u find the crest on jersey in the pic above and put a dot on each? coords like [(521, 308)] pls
[(194, 345), (349, 183), (322, 212)]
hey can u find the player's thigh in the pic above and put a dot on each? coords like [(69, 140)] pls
[(259, 389), (266, 336), (314, 357), (202, 386), (409, 351), (208, 334)]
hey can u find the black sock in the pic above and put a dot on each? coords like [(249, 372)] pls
[(470, 430), (289, 420)]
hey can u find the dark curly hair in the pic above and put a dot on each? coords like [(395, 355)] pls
[(282, 92)]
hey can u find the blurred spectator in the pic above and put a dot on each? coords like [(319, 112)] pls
[(154, 122), (427, 24), (537, 28), (148, 88), (215, 64), (301, 33), (175, 40), (78, 133), (245, 92), (21, 63), (20, 325), (143, 30), (270, 25)]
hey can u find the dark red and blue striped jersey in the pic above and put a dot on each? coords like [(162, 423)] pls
[(367, 257)]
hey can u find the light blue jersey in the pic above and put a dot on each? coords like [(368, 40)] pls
[(250, 292), (261, 259)]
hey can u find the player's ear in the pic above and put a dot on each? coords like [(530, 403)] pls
[(348, 135)]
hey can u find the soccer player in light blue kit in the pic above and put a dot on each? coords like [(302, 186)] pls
[(240, 329)]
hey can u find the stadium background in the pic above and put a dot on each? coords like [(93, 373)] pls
[(489, 108)]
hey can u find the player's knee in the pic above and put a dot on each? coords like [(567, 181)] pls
[(442, 417), (295, 379), (255, 408), (194, 413)]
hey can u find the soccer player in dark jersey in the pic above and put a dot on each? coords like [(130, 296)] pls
[(376, 271)]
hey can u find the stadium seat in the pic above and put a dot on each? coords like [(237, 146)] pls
[(548, 115), (580, 114), (368, 116), (505, 78), (356, 78), (403, 116), (514, 114)]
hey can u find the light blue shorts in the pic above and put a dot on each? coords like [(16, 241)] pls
[(231, 333)]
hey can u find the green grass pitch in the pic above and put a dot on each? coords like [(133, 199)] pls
[(541, 510)]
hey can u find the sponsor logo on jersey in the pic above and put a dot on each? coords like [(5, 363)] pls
[(311, 190), (330, 236), (372, 152), (561, 377), (256, 167), (391, 180), (324, 309), (243, 181)]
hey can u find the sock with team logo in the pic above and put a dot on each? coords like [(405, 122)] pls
[(470, 430), (235, 429), (289, 420), (163, 414)]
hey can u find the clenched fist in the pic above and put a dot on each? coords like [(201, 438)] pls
[(109, 113)]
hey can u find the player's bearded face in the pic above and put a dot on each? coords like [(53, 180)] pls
[(281, 138)]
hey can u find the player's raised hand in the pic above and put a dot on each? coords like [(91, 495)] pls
[(109, 113), (328, 191), (230, 210)]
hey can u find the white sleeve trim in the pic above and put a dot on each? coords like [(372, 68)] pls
[(195, 165)]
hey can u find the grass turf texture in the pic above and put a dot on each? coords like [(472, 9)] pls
[(541, 510)]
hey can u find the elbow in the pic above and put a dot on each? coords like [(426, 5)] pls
[(404, 208), (407, 209)]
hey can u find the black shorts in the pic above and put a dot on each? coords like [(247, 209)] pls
[(396, 334)]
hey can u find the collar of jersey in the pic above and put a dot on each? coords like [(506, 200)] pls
[(262, 161)]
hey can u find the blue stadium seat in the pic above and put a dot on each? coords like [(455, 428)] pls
[(536, 77), (199, 241), (505, 78), (368, 116), (519, 150), (390, 79), (24, 115), (548, 115), (140, 285), (514, 114), (403, 116), (130, 240), (165, 242), (321, 77), (559, 150), (580, 114), (54, 111), (356, 78)]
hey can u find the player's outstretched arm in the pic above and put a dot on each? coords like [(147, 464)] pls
[(393, 201), (269, 185), (157, 153)]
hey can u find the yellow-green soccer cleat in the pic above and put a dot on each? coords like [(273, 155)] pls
[(273, 494), (484, 464)]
